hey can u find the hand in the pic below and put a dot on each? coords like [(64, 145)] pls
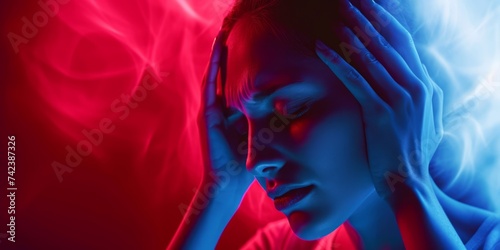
[(220, 139), (401, 105)]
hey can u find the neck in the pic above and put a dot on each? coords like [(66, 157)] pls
[(376, 225)]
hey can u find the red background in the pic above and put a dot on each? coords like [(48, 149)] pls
[(68, 65)]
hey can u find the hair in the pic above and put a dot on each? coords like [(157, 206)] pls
[(299, 23), (296, 23), (301, 19)]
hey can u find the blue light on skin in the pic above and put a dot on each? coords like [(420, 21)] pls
[(328, 150), (324, 147)]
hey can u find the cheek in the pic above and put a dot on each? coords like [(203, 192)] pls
[(299, 129), (338, 166), (334, 145)]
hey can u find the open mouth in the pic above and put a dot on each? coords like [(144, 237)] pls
[(291, 197)]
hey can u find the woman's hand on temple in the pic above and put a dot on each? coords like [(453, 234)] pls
[(221, 138), (401, 105), (225, 178)]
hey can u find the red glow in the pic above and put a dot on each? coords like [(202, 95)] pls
[(92, 63)]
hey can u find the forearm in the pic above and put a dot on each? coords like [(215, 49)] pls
[(421, 219), (203, 223)]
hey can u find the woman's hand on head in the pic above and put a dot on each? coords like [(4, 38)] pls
[(402, 115), (401, 105), (222, 134)]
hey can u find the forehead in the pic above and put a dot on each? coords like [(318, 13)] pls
[(259, 59)]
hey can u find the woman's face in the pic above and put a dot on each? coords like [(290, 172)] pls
[(306, 140)]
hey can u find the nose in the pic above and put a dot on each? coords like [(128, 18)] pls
[(263, 157), (264, 163)]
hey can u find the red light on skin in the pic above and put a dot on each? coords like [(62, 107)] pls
[(298, 220), (299, 128)]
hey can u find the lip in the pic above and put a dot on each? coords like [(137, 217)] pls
[(286, 196)]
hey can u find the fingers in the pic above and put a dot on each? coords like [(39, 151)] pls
[(372, 70), (354, 82), (397, 35), (375, 43), (437, 104), (210, 79), (212, 111)]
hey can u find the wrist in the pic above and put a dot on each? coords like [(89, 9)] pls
[(222, 195), (410, 191), (407, 176)]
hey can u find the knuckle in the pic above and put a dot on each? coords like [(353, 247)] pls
[(404, 35), (353, 76), (418, 90), (333, 57), (379, 110), (405, 98), (438, 91), (439, 133), (408, 38), (383, 42), (369, 58), (405, 101)]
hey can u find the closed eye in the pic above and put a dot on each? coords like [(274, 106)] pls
[(293, 109)]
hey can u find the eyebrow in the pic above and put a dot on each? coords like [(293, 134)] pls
[(263, 94)]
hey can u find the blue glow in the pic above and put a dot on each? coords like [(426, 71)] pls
[(459, 42)]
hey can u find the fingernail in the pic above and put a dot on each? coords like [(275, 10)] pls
[(321, 46)]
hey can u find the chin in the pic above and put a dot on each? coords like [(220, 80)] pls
[(306, 227)]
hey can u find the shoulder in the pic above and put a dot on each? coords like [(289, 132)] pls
[(487, 236)]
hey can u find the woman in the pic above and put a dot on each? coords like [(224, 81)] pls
[(343, 121)]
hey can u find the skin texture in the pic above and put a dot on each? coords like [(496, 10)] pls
[(301, 153), (359, 127), (401, 107)]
